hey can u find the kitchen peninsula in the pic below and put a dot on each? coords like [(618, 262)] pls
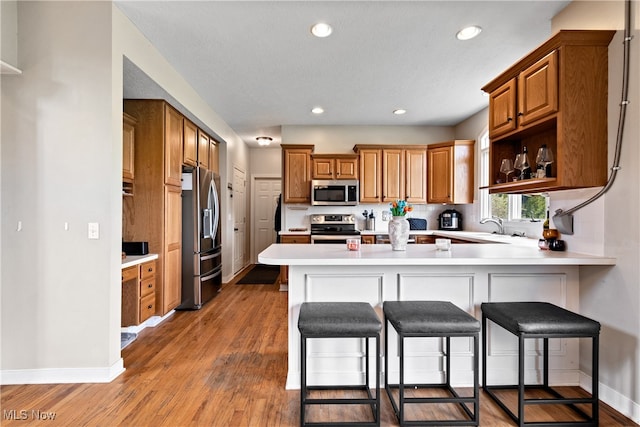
[(467, 275)]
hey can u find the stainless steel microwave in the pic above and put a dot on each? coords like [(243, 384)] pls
[(339, 192)]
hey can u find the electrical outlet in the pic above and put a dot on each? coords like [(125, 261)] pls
[(94, 230), (385, 215)]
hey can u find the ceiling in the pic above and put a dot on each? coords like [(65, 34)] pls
[(258, 66)]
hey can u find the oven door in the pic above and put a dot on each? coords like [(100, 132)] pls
[(333, 238)]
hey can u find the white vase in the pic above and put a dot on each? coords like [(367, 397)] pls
[(399, 233)]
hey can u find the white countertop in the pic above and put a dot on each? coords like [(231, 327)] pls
[(424, 254), (131, 260)]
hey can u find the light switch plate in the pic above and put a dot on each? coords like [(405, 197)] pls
[(94, 230)]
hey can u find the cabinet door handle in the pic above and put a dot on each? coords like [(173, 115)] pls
[(149, 285), (149, 307), (520, 114), (509, 119)]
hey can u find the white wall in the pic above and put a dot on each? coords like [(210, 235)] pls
[(9, 32), (60, 298), (61, 157), (610, 225)]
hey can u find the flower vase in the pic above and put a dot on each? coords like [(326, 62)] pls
[(399, 233)]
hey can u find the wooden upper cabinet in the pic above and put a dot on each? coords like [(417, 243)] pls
[(173, 147), (392, 174), (214, 156), (561, 102), (415, 165), (296, 162), (334, 166), (502, 109), (450, 172), (203, 149), (389, 173), (370, 175), (538, 90), (128, 147), (190, 144)]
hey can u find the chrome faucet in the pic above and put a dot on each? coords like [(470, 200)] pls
[(497, 221)]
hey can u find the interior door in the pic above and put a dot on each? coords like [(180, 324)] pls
[(239, 219), (265, 200)]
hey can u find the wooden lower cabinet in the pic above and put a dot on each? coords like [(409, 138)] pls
[(138, 293), (368, 240), (421, 240), (290, 239)]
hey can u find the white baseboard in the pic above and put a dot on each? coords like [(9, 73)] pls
[(62, 375), (151, 322), (617, 401)]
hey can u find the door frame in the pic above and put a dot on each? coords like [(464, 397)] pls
[(252, 213)]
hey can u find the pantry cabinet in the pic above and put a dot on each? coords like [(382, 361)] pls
[(556, 96), (334, 166), (154, 215), (296, 177), (450, 167)]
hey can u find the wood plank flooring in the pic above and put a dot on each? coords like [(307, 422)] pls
[(224, 365)]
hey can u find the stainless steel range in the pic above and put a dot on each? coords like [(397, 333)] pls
[(333, 228)]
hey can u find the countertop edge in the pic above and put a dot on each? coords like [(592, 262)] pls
[(133, 260)]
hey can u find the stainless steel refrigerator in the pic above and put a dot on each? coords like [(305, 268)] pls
[(201, 242)]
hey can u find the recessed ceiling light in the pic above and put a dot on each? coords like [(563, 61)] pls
[(399, 111), (321, 29), (317, 110), (468, 32), (264, 140)]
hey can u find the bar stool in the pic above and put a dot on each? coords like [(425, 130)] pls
[(339, 320), (413, 319), (541, 320)]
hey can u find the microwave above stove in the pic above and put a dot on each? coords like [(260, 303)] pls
[(338, 192)]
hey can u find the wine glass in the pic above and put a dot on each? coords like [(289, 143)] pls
[(506, 167), (519, 163), (544, 158)]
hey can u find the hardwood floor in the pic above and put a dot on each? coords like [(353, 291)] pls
[(224, 365)]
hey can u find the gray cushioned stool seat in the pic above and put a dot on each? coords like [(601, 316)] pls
[(322, 320), (345, 319), (424, 317), (544, 321), (431, 319), (538, 318)]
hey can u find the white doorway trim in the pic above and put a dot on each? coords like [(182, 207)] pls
[(254, 177)]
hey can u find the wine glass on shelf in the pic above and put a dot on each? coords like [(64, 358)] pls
[(544, 158), (506, 167), (518, 164)]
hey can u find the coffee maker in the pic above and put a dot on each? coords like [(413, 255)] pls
[(450, 220)]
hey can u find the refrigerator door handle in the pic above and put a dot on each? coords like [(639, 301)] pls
[(213, 197), (207, 257), (210, 276)]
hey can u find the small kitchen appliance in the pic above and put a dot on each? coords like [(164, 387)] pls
[(451, 220)]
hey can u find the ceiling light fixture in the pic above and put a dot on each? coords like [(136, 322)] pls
[(399, 111), (468, 33), (264, 140), (317, 110), (321, 30)]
